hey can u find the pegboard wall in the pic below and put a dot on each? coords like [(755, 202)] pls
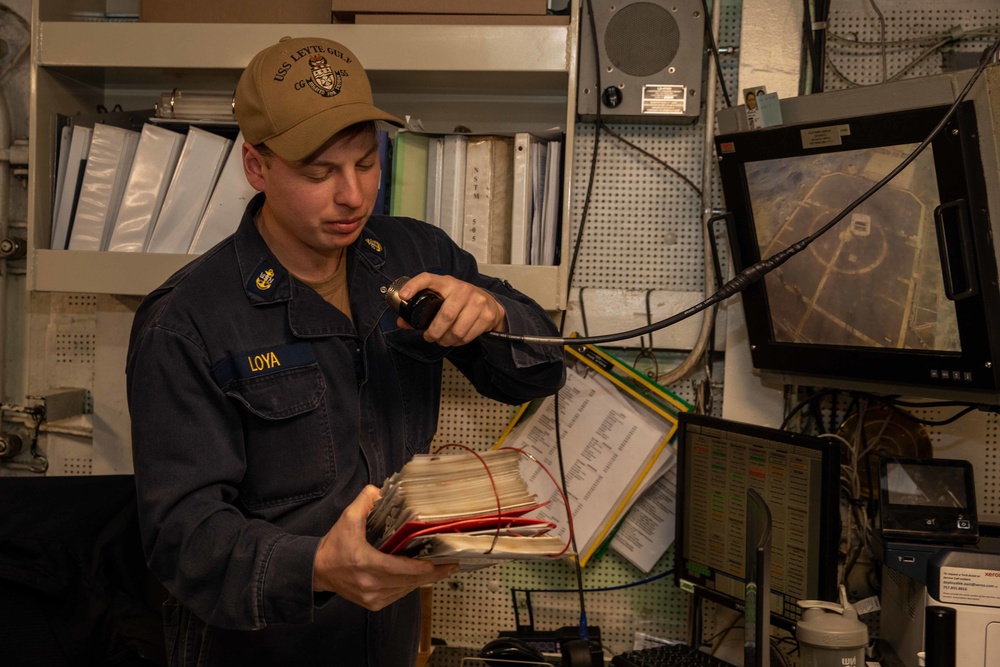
[(70, 339), (974, 437), (920, 39)]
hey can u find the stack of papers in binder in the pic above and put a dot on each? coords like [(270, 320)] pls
[(473, 510)]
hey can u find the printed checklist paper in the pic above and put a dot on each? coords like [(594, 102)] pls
[(614, 446)]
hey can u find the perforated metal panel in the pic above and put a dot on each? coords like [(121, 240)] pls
[(975, 438), (907, 25), (62, 350), (63, 344), (639, 233), (68, 455)]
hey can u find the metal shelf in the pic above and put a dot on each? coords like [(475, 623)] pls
[(445, 48), (491, 78), (130, 273)]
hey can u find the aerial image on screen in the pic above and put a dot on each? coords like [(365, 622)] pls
[(872, 281)]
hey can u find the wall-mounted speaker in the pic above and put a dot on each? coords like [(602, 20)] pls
[(651, 56)]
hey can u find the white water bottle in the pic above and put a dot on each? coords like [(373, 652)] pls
[(830, 634)]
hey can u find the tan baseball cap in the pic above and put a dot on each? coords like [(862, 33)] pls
[(296, 94)]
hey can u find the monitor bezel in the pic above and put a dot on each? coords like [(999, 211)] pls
[(960, 177), (829, 519)]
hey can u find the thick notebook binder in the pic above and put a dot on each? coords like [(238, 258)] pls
[(453, 186), (197, 170), (71, 178), (153, 167), (409, 175), (489, 173), (112, 150), (464, 508), (548, 230), (435, 169), (526, 148), (225, 208), (61, 161)]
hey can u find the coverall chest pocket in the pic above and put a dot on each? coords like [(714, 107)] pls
[(289, 443)]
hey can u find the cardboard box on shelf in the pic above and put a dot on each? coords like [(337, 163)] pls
[(235, 11), (460, 19), (528, 7)]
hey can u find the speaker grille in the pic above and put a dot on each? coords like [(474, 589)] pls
[(642, 39)]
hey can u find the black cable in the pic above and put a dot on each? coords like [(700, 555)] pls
[(593, 166), (822, 14), (891, 402), (715, 53), (583, 314), (753, 273), (852, 407), (810, 42), (602, 589), (584, 634), (942, 422), (706, 390), (802, 405), (926, 404), (662, 162), (817, 411)]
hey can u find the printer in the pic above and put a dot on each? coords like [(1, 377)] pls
[(965, 579)]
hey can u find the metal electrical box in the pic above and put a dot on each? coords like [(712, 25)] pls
[(650, 58)]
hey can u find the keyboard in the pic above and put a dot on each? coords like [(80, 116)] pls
[(668, 655)]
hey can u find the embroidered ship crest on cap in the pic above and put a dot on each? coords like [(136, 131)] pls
[(325, 80)]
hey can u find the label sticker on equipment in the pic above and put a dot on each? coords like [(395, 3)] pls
[(664, 99), (819, 137), (965, 585)]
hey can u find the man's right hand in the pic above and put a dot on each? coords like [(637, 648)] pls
[(346, 564)]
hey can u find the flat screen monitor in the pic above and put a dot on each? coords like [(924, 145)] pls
[(901, 295), (796, 475)]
